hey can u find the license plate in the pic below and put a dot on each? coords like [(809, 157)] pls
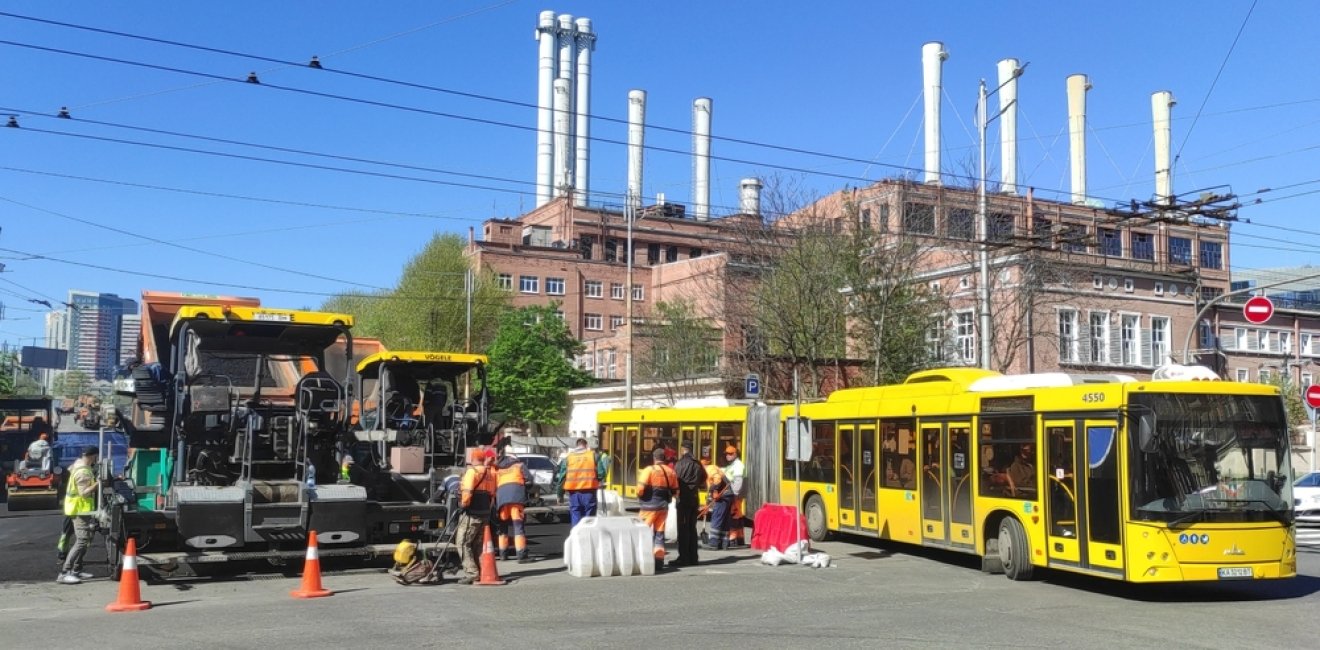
[(267, 316), (1230, 573)]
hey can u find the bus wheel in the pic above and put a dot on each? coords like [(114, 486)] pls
[(1014, 550), (816, 526)]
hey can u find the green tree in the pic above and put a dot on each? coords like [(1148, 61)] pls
[(428, 307), (531, 369), (677, 347), (1298, 416)]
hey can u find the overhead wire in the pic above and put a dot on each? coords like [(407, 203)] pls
[(1205, 100)]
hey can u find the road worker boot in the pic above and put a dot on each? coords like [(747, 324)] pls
[(523, 557)]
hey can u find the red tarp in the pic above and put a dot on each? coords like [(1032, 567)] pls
[(774, 526)]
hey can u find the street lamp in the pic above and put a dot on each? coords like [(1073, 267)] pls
[(982, 226)]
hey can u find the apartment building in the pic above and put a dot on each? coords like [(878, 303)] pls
[(95, 331)]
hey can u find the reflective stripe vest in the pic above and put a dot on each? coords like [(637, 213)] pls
[(511, 485), (581, 473), (717, 484), (478, 490), (656, 487), (74, 503)]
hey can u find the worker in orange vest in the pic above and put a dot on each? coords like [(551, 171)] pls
[(580, 475), (657, 485), (476, 498), (511, 479), (737, 475)]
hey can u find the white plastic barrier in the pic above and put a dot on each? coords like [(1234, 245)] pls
[(671, 523), (609, 546)]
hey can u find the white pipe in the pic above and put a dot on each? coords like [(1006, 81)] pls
[(1008, 74), (932, 59), (545, 74), (1078, 84), (563, 132), (749, 196), (586, 42), (701, 109), (636, 139), (1160, 103)]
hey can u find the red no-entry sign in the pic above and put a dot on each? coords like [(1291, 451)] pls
[(1312, 396), (1258, 309)]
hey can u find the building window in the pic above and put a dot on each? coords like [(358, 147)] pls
[(1159, 289), (1159, 340), (1001, 227), (1097, 282), (616, 322), (1042, 231), (1266, 342), (504, 281), (1285, 342), (1099, 337), (1180, 250), (637, 292), (610, 363), (694, 253), (653, 253), (529, 284), (864, 219), (592, 288), (554, 286), (1111, 243), (1074, 238), (965, 336), (616, 290), (1068, 343), (1207, 333), (559, 315), (1212, 255), (1306, 344), (612, 250), (1127, 285), (1266, 376), (964, 282), (1131, 345), (1143, 246), (959, 224), (1307, 380), (919, 218), (671, 254), (1243, 375), (585, 244), (882, 218), (592, 322), (935, 339)]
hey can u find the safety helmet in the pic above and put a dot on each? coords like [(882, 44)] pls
[(730, 450)]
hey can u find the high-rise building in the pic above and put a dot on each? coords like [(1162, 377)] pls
[(129, 327), (95, 323)]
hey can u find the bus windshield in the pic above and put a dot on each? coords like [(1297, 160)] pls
[(1209, 458)]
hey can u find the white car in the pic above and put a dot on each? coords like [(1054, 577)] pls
[(542, 470), (1306, 498)]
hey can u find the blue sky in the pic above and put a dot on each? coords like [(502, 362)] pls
[(842, 78)]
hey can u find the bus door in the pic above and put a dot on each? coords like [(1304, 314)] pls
[(685, 432), (1100, 493), (1063, 526), (934, 520), (632, 450), (617, 458), (957, 485), (848, 458), (868, 478), (704, 449)]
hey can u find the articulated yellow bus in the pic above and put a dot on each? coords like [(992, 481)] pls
[(1142, 481)]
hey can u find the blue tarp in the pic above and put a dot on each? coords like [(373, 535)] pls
[(71, 443)]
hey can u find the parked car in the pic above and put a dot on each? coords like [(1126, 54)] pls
[(542, 470), (1306, 498)]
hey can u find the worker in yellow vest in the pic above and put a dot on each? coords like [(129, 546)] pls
[(80, 506)]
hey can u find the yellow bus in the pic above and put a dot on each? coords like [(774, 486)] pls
[(1142, 481)]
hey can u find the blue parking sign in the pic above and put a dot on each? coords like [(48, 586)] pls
[(752, 387)]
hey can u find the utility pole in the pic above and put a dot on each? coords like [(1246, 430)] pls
[(982, 219), (629, 214)]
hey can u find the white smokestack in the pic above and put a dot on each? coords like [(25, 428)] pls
[(636, 137), (586, 42), (563, 133), (932, 60), (701, 108), (545, 74), (1008, 74), (1078, 84), (749, 196), (1160, 103)]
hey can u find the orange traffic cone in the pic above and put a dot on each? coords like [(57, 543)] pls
[(311, 580), (130, 592), (490, 577)]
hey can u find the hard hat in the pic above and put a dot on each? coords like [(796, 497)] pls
[(488, 453), (730, 450)]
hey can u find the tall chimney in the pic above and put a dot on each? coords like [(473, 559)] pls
[(932, 60), (563, 134), (749, 196), (1008, 74), (1160, 103), (567, 62), (586, 42), (545, 74), (701, 158), (636, 136), (1078, 84)]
